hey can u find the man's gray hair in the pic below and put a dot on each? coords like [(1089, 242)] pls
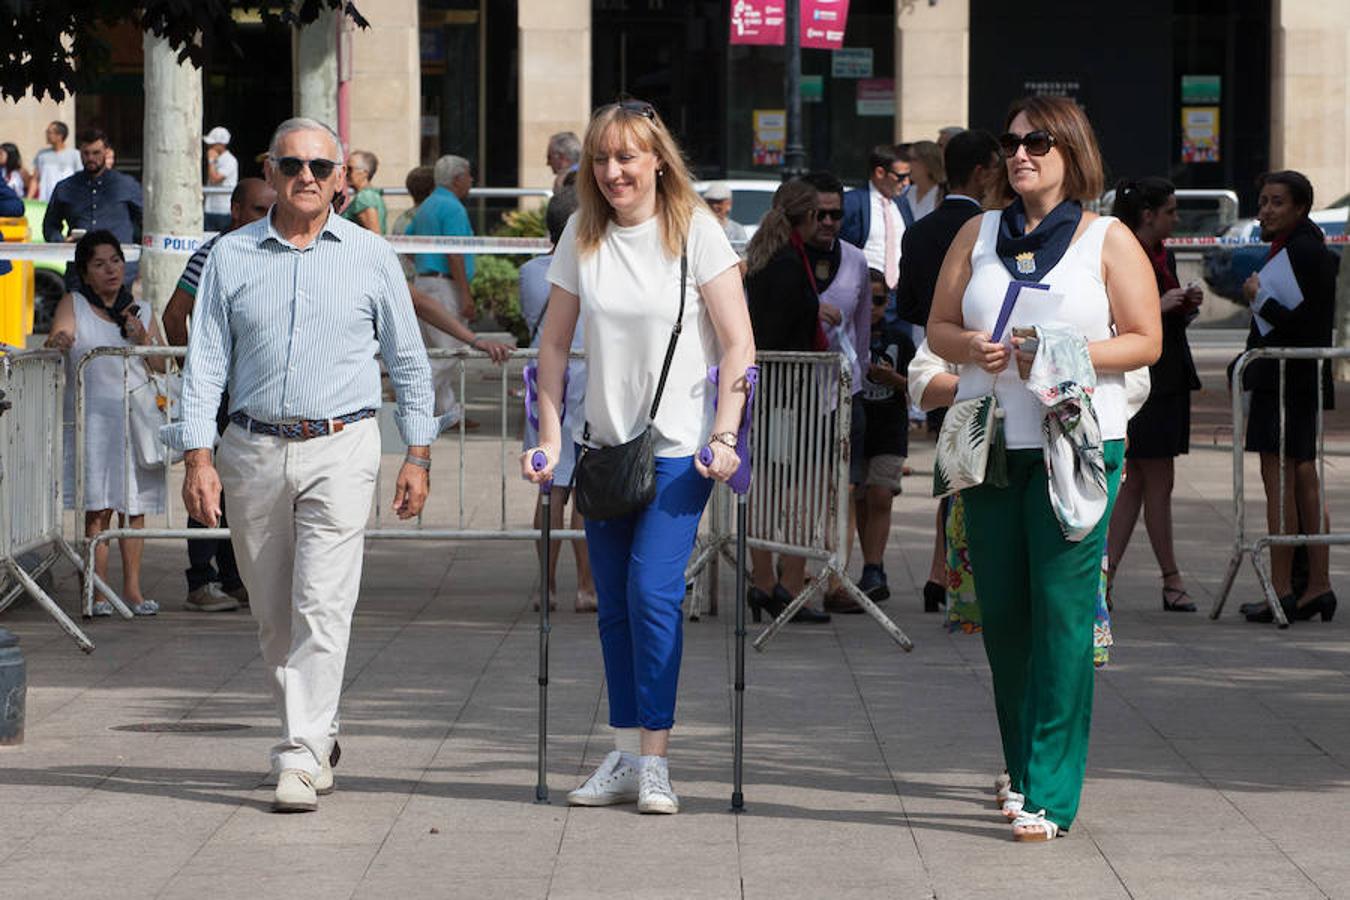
[(567, 145), (303, 123), (448, 168)]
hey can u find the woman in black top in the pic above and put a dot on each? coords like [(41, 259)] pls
[(785, 315), (1286, 197), (1161, 430)]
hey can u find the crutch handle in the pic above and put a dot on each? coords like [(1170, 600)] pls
[(705, 456), (538, 460)]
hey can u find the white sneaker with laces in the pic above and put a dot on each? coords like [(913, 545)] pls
[(210, 598), (616, 781), (295, 792), (655, 795)]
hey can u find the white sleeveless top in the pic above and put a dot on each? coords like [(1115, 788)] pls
[(1078, 277)]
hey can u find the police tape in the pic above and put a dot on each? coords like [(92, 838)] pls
[(185, 245)]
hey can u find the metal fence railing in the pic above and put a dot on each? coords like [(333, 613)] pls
[(1245, 543)]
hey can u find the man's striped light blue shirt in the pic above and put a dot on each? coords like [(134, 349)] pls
[(293, 333)]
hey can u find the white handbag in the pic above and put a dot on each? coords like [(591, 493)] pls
[(154, 403), (970, 447)]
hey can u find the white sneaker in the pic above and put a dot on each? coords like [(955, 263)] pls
[(210, 598), (295, 792), (616, 781), (655, 795), (324, 783)]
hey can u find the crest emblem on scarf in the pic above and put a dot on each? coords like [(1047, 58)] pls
[(1026, 262)]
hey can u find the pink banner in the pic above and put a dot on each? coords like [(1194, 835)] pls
[(758, 22), (823, 23)]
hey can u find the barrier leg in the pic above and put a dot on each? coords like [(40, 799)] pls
[(37, 593), (545, 598), (1234, 565), (814, 589), (1268, 586), (17, 590), (738, 698), (91, 580)]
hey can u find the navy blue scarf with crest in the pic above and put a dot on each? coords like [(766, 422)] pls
[(1030, 257)]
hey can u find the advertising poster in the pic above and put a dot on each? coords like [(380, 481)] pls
[(1199, 134), (758, 22), (851, 62), (876, 96), (823, 23), (770, 137)]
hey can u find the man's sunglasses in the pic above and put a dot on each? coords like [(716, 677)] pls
[(1038, 142), (290, 166), (832, 214), (898, 176)]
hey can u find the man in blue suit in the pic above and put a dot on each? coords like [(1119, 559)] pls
[(874, 217), (11, 207)]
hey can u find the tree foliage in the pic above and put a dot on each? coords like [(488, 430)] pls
[(52, 47)]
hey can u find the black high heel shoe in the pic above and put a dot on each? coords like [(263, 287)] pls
[(1323, 605), (805, 615), (759, 601), (934, 597)]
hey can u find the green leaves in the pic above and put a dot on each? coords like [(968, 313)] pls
[(53, 47)]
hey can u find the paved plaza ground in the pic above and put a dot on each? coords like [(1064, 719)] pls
[(1220, 759)]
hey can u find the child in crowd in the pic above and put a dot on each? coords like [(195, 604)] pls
[(885, 441)]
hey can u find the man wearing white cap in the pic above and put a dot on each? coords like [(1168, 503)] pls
[(222, 171), (718, 197)]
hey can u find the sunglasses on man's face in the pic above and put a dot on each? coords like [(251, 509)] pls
[(834, 215), (1038, 142), (900, 177), (290, 166)]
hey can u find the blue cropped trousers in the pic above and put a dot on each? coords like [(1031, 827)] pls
[(638, 562)]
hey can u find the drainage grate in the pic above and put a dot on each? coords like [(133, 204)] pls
[(180, 727)]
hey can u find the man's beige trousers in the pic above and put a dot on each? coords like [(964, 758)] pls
[(298, 513)]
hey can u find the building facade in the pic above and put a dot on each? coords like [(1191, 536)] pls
[(1206, 92)]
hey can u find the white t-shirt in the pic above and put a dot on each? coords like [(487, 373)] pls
[(52, 166), (228, 167), (628, 292)]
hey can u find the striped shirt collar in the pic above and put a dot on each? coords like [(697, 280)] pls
[(332, 228)]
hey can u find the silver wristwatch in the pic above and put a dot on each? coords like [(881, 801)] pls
[(726, 437)]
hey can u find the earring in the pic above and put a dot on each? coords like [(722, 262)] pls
[(660, 172)]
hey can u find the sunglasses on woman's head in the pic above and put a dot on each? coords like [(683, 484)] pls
[(290, 166), (637, 108), (831, 214), (1038, 142)]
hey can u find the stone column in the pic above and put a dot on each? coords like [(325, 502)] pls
[(386, 94), (173, 174), (932, 67), (555, 79), (316, 70)]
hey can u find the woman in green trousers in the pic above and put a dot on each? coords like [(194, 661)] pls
[(1038, 589)]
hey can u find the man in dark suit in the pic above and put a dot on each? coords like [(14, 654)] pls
[(973, 163), (872, 215)]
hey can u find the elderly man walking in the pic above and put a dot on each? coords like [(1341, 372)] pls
[(446, 276), (290, 312)]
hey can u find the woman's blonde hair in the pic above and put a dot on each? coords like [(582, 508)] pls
[(792, 203), (929, 155), (637, 123)]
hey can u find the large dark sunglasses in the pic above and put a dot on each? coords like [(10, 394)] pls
[(832, 214), (900, 177), (290, 166), (1038, 142)]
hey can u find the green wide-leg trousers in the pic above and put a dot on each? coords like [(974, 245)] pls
[(1038, 598)]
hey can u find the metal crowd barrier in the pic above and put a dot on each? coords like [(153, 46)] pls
[(798, 504), (31, 457), (1245, 545)]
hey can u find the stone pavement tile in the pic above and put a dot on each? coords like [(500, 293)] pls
[(347, 816), (115, 866), (279, 870)]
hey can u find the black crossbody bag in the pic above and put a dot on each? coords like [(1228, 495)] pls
[(616, 481)]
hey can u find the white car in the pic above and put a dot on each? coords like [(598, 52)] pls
[(750, 198)]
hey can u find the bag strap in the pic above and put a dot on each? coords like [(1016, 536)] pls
[(674, 335)]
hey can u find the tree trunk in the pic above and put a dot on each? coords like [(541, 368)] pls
[(173, 173), (316, 70)]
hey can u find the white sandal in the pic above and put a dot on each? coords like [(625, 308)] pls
[(1011, 803), (1045, 830)]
